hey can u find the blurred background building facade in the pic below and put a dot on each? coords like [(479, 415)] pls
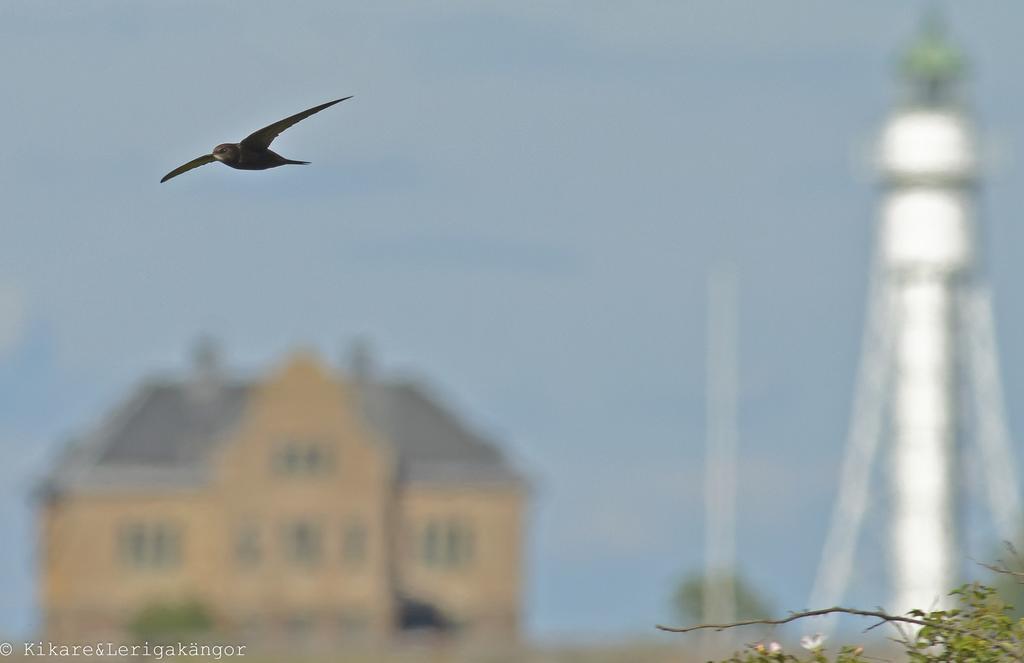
[(301, 505)]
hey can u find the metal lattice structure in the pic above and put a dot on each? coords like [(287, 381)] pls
[(929, 332)]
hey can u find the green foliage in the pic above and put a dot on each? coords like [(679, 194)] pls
[(167, 622), (1008, 578), (760, 654), (980, 629), (689, 599), (1012, 591)]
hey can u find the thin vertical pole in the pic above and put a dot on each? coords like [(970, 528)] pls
[(719, 596)]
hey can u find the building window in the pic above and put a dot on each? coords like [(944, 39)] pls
[(133, 544), (303, 543), (152, 545), (301, 457), (248, 550), (288, 460), (460, 544), (447, 544), (315, 459), (353, 542), (430, 544)]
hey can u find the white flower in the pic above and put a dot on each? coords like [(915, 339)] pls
[(772, 647), (812, 642)]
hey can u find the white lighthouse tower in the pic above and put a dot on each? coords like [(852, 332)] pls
[(928, 334)]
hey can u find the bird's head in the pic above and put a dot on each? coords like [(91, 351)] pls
[(227, 152)]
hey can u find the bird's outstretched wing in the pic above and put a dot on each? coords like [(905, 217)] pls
[(195, 163), (262, 139)]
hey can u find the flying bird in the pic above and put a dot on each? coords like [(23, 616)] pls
[(253, 153)]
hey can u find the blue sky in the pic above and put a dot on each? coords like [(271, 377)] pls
[(520, 205)]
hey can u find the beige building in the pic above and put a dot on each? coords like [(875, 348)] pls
[(301, 505)]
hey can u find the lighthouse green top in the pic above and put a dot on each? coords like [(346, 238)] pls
[(932, 65)]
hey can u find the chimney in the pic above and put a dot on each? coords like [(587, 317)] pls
[(207, 376), (360, 363)]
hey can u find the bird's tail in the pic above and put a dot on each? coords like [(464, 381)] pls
[(299, 163)]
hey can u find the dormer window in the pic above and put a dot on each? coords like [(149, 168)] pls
[(302, 457)]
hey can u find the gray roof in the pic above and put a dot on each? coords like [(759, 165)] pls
[(172, 425), (160, 438)]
